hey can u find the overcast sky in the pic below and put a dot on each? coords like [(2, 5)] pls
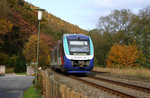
[(85, 13)]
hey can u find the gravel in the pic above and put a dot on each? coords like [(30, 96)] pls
[(92, 92), (86, 90), (129, 91), (123, 79)]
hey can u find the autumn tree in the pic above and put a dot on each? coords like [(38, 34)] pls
[(49, 41), (30, 51), (5, 27), (123, 27), (117, 23), (18, 21), (5, 11), (102, 44), (20, 33), (97, 42), (141, 30), (125, 56)]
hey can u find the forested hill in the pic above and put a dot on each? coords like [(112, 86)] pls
[(19, 21), (18, 24), (57, 26)]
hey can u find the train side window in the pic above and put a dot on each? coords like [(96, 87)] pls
[(58, 50), (55, 54), (62, 52)]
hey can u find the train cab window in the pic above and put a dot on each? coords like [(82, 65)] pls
[(79, 47)]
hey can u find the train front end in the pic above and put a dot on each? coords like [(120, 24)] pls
[(78, 53)]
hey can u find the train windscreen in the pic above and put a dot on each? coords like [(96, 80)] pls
[(77, 47)]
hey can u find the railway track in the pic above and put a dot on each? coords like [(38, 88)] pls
[(112, 91), (91, 80), (144, 89)]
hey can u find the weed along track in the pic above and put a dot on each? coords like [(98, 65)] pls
[(115, 92), (144, 89)]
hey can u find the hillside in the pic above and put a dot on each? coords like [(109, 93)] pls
[(18, 22), (56, 26), (23, 18)]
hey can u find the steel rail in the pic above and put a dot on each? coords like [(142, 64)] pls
[(112, 91), (122, 84)]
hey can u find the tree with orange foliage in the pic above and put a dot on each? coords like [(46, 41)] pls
[(30, 51), (125, 56), (5, 27), (48, 40)]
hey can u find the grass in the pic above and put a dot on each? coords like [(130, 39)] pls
[(141, 73), (11, 70), (20, 73), (31, 93)]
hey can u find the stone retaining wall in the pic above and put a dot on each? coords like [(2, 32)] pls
[(2, 69), (30, 71), (53, 89)]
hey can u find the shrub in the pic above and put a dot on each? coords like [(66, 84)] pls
[(12, 61), (125, 56), (20, 65), (3, 58), (30, 51)]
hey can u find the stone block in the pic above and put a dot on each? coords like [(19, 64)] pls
[(30, 71), (2, 69)]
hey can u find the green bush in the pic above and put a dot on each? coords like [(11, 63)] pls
[(20, 65), (3, 58), (146, 64), (12, 61)]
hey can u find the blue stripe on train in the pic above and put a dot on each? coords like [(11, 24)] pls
[(67, 63), (91, 47), (66, 48)]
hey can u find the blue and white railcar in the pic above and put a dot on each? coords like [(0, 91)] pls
[(74, 53)]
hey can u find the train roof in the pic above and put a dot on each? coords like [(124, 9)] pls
[(76, 36)]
